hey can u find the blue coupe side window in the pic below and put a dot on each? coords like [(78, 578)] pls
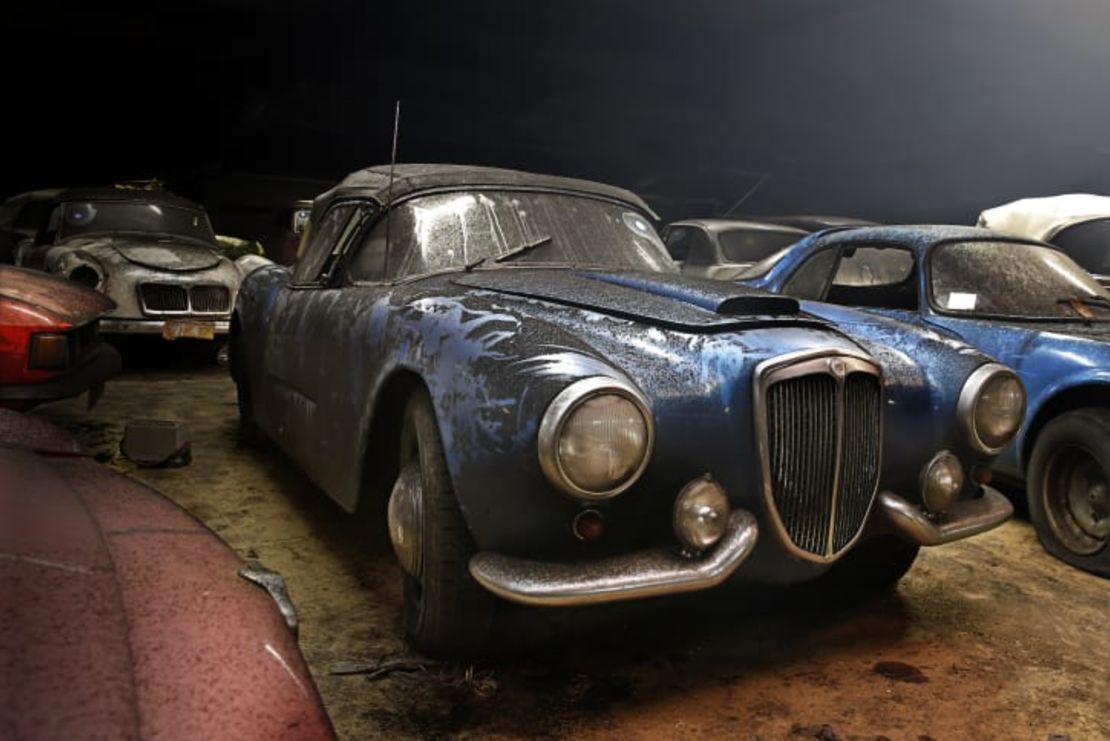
[(811, 278)]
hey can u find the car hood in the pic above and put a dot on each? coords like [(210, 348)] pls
[(159, 253), (672, 301), (126, 611), (45, 299)]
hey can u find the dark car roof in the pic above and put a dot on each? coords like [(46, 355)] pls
[(374, 182), (137, 195), (719, 225)]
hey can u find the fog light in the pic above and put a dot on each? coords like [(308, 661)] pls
[(588, 525), (701, 514), (48, 351), (942, 479)]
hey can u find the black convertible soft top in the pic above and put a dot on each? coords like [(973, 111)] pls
[(408, 179)]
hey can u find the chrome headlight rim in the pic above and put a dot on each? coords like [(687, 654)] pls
[(559, 411), (969, 401)]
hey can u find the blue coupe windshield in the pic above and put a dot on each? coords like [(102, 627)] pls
[(1014, 279)]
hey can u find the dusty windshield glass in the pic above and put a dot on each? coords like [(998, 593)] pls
[(92, 217), (486, 228), (1014, 280)]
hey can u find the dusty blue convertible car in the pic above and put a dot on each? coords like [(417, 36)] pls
[(549, 414), (1024, 302)]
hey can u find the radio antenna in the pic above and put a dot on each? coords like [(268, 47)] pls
[(751, 192), (389, 197)]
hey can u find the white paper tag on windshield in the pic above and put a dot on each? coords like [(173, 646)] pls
[(962, 301)]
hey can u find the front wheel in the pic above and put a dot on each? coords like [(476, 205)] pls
[(1068, 488), (445, 611)]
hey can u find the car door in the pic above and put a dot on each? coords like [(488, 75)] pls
[(291, 357)]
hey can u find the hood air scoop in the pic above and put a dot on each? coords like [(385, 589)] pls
[(726, 299)]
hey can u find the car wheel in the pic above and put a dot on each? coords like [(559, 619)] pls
[(248, 429), (1068, 488), (445, 611), (871, 568)]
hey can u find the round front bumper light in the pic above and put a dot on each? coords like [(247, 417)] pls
[(992, 407), (595, 438), (701, 514), (942, 480)]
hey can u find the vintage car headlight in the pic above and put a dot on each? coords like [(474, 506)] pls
[(991, 407), (942, 480), (595, 438), (701, 514)]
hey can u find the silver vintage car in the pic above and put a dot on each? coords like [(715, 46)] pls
[(152, 252)]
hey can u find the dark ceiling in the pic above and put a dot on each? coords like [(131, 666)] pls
[(890, 109)]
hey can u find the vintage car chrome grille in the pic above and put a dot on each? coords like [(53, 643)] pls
[(822, 434), (210, 299), (163, 298), (171, 298)]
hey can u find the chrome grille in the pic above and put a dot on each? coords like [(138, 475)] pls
[(163, 298), (173, 298), (210, 299), (821, 434)]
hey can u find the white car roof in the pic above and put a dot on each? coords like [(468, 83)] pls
[(1042, 218)]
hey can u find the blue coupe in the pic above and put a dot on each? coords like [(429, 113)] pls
[(1023, 302), (550, 414)]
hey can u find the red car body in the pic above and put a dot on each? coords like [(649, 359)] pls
[(33, 306), (123, 617)]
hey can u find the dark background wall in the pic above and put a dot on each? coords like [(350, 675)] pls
[(898, 110)]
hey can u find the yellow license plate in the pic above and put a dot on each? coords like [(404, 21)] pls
[(175, 329)]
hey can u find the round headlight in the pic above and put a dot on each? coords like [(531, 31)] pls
[(595, 438), (942, 480), (700, 514), (991, 407)]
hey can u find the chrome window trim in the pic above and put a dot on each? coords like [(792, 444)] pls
[(555, 417), (802, 363)]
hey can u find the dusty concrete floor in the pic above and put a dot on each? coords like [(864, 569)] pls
[(988, 638)]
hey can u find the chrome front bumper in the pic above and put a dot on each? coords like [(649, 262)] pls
[(964, 519), (663, 571), (648, 573)]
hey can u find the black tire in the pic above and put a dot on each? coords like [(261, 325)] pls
[(871, 568), (1067, 486), (446, 613), (249, 434)]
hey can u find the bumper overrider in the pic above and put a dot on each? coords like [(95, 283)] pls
[(668, 570)]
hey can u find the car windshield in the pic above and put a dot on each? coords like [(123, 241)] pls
[(92, 217), (761, 268), (752, 245), (1014, 279), (484, 228)]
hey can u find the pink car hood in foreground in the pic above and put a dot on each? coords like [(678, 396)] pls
[(123, 617)]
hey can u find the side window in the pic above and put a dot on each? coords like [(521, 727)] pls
[(875, 276), (368, 258), (677, 240), (1086, 243), (320, 244), (809, 281)]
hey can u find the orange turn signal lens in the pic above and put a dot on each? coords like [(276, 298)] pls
[(588, 525), (49, 351)]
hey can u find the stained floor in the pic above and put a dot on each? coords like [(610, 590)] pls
[(988, 638)]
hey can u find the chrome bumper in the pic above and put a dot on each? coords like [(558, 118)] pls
[(964, 519), (155, 326), (648, 573)]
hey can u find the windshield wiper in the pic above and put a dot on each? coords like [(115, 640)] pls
[(511, 254), (1079, 304)]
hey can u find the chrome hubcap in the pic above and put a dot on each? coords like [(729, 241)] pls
[(406, 520)]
